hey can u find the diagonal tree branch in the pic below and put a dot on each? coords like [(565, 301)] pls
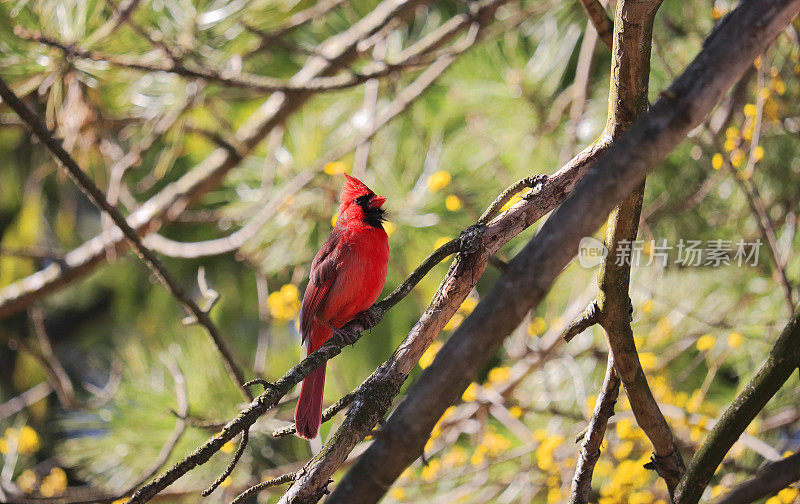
[(783, 360), (769, 479)]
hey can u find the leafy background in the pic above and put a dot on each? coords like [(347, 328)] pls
[(500, 113)]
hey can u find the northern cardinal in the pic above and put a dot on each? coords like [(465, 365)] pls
[(346, 277)]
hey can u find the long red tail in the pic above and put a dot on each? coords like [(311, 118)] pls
[(308, 413)]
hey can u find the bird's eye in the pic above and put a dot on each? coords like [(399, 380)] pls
[(363, 199)]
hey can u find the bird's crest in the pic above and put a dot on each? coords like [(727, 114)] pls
[(352, 189)]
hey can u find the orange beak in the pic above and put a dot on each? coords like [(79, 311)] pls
[(376, 201)]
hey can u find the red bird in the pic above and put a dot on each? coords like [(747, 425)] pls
[(347, 276)]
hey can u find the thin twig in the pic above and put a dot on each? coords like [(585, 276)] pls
[(228, 470), (585, 320), (286, 478), (247, 81), (326, 415), (593, 438)]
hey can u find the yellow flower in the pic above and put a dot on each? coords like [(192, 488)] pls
[(591, 401), (54, 483), (730, 144), (717, 160), (537, 326), (397, 493), (779, 86), (430, 471), (495, 443), (706, 342), (457, 456), (336, 168), (226, 482), (734, 340), (334, 219), (479, 457), (554, 495), (737, 158), (471, 393), (788, 495), (603, 468), (750, 110), (544, 453), (627, 430), (499, 374), (389, 227), (27, 481), (284, 304), (453, 203), (718, 490), (640, 498), (427, 357), (513, 201), (406, 475), (759, 153), (649, 361), (695, 401), (773, 500), (732, 133), (227, 447), (26, 440), (516, 411), (623, 450), (454, 322), (439, 181), (468, 305), (440, 242)]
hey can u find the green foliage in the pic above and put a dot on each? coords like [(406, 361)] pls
[(500, 113)]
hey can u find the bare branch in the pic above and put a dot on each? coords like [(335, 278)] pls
[(599, 18), (593, 438), (286, 478), (784, 358), (769, 479), (585, 320)]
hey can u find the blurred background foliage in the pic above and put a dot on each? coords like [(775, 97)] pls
[(501, 112)]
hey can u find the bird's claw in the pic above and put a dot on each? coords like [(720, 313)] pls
[(370, 317), (349, 336)]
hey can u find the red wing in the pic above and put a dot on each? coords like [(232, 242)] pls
[(322, 276)]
